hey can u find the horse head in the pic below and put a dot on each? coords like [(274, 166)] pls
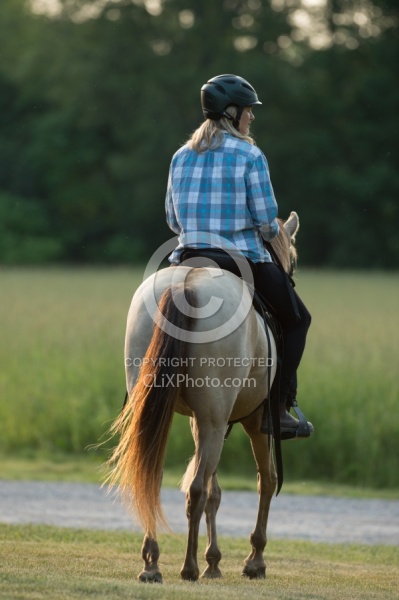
[(284, 243)]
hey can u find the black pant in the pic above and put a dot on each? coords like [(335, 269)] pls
[(273, 284)]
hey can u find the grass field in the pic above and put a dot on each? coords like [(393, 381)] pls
[(64, 564), (62, 375)]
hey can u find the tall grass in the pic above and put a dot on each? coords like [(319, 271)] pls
[(62, 375), (349, 379), (61, 352)]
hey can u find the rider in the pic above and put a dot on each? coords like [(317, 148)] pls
[(219, 183)]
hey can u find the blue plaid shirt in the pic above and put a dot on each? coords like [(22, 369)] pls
[(223, 194)]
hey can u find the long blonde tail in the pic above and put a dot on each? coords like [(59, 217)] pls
[(145, 421)]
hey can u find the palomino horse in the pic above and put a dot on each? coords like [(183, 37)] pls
[(207, 344)]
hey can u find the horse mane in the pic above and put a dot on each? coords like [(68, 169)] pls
[(285, 249)]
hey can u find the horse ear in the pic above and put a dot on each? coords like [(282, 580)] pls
[(292, 225)]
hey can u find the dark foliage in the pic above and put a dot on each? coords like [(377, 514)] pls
[(91, 111)]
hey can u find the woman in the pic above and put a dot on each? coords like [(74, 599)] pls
[(219, 183)]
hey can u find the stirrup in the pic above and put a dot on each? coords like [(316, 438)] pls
[(304, 429)]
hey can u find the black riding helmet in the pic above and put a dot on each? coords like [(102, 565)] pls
[(222, 91)]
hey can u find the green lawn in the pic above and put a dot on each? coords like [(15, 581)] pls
[(64, 564)]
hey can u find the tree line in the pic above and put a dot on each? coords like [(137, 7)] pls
[(95, 97)]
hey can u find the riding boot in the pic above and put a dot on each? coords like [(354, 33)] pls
[(287, 421), (281, 394), (292, 392), (291, 427)]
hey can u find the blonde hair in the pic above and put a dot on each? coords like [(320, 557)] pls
[(209, 135)]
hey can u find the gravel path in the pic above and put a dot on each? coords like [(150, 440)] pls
[(312, 518)]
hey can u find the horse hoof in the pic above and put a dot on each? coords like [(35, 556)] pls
[(189, 575), (212, 573), (254, 573), (150, 577)]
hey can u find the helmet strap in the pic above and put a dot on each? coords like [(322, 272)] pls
[(236, 120)]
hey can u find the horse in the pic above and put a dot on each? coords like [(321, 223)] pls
[(193, 341)]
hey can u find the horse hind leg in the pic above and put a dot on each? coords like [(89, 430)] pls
[(209, 444), (150, 555), (212, 553)]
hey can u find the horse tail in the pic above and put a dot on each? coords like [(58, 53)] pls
[(145, 421)]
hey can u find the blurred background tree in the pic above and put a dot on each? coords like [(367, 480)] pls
[(95, 96)]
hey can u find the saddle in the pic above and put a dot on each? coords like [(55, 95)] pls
[(226, 262)]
